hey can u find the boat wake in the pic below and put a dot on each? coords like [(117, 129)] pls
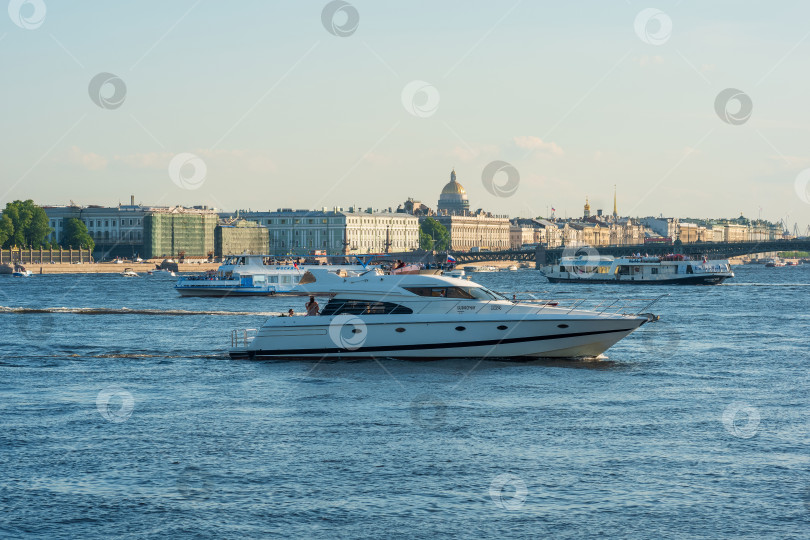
[(764, 285), (129, 311)]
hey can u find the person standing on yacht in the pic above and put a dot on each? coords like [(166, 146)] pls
[(312, 307)]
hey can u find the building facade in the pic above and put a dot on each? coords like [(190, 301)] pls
[(240, 236), (176, 231), (337, 232), (481, 230), (117, 231)]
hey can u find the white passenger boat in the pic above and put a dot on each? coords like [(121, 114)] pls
[(642, 270), (129, 272), (429, 316), (251, 275)]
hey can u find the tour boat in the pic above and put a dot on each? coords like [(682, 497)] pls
[(642, 270), (250, 275), (429, 316), (776, 262)]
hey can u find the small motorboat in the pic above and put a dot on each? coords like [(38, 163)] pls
[(20, 271), (129, 272)]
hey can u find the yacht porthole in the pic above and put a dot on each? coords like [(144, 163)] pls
[(502, 327), (460, 328), (562, 326), (400, 329)]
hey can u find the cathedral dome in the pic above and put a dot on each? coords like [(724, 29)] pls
[(453, 187), (453, 199)]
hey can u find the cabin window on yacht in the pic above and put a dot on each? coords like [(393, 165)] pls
[(364, 307), (653, 270), (464, 293)]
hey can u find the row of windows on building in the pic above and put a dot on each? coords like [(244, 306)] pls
[(98, 222), (313, 221)]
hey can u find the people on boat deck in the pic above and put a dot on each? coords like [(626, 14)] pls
[(312, 307), (399, 264), (290, 313)]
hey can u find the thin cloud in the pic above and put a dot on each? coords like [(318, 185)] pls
[(89, 160), (530, 142)]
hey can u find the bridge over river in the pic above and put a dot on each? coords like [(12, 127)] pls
[(712, 250)]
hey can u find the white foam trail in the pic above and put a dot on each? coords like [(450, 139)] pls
[(130, 311)]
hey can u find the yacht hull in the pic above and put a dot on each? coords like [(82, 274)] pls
[(549, 338)]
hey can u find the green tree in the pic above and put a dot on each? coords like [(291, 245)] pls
[(6, 230), (425, 241), (29, 224), (436, 232), (75, 235)]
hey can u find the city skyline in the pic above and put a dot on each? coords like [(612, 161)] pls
[(284, 110)]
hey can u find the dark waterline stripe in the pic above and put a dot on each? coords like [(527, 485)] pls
[(427, 346)]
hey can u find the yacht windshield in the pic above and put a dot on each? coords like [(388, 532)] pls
[(463, 293)]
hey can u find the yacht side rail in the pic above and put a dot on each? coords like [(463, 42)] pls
[(623, 306), (243, 337)]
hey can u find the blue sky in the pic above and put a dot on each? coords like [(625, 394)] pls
[(285, 114)]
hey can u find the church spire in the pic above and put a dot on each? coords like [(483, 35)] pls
[(453, 175), (615, 213)]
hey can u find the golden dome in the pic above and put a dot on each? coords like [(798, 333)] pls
[(453, 187)]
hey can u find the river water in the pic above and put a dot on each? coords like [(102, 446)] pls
[(122, 416)]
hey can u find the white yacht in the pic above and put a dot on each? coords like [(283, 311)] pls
[(251, 275), (641, 270), (429, 316)]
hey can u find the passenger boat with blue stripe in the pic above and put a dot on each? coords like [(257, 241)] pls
[(251, 275), (674, 269)]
